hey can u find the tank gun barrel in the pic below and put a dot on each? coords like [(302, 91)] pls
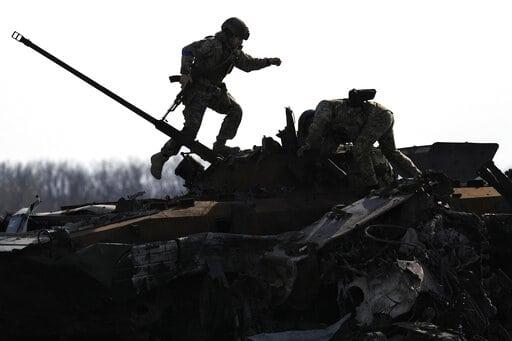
[(196, 147)]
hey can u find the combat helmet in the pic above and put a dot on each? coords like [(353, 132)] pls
[(236, 27)]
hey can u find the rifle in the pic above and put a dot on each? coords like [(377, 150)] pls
[(195, 146), (179, 97)]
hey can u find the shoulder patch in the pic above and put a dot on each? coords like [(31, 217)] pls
[(187, 53)]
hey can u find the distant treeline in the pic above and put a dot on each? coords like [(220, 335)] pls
[(63, 183)]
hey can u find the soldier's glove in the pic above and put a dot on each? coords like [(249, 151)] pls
[(274, 61), (185, 79), (304, 149)]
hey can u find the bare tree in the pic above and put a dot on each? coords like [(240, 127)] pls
[(62, 183)]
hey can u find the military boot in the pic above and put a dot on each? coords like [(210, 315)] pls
[(220, 147), (157, 164)]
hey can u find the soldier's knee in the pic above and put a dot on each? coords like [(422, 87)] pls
[(236, 112)]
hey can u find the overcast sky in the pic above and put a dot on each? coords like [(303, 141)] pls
[(443, 68)]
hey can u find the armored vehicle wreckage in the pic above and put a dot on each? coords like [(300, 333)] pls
[(266, 246)]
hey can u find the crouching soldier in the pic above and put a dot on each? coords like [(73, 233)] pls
[(204, 65), (362, 122)]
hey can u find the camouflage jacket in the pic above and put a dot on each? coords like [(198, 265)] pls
[(362, 126), (337, 117), (212, 59)]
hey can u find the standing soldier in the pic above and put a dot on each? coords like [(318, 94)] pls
[(204, 64), (363, 122)]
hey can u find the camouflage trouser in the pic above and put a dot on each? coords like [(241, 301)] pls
[(196, 101), (379, 128)]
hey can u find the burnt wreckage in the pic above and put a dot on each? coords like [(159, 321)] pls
[(266, 246)]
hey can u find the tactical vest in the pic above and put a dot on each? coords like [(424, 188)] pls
[(215, 68)]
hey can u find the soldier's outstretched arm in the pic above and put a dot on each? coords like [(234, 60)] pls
[(246, 63), (321, 120), (378, 123), (318, 128), (396, 157)]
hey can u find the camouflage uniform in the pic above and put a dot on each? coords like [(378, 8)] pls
[(363, 126), (208, 61)]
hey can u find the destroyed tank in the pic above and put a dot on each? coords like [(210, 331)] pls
[(264, 190), (267, 246), (260, 191)]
